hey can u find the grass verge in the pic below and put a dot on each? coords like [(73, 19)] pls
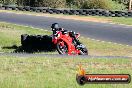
[(60, 72), (10, 35), (118, 20)]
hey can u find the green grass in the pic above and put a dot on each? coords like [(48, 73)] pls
[(59, 72), (118, 20), (106, 49), (122, 20), (10, 35)]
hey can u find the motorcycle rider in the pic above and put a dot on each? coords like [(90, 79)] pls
[(55, 27)]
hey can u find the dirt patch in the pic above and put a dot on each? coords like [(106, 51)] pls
[(92, 19), (73, 17)]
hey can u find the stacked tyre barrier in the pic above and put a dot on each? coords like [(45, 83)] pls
[(85, 12), (37, 43)]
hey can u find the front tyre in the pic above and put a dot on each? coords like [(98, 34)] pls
[(83, 51)]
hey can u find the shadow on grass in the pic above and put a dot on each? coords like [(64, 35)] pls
[(29, 49), (10, 47)]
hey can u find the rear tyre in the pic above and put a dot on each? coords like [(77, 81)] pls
[(62, 48)]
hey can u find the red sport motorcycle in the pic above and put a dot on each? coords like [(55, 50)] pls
[(68, 43)]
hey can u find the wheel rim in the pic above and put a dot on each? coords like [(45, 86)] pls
[(62, 47)]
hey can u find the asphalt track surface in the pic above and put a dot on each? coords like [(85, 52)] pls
[(101, 31)]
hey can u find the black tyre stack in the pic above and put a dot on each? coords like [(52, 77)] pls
[(86, 12), (20, 8), (38, 43), (26, 8)]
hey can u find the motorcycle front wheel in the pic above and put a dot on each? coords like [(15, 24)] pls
[(83, 51)]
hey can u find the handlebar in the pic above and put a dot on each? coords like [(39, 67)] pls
[(71, 33)]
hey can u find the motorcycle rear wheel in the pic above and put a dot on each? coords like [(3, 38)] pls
[(63, 50)]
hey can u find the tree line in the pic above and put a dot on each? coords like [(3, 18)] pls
[(85, 4)]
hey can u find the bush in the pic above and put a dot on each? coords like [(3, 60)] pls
[(70, 4), (79, 3), (96, 4), (122, 1), (102, 4), (8, 2), (52, 3), (116, 6)]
